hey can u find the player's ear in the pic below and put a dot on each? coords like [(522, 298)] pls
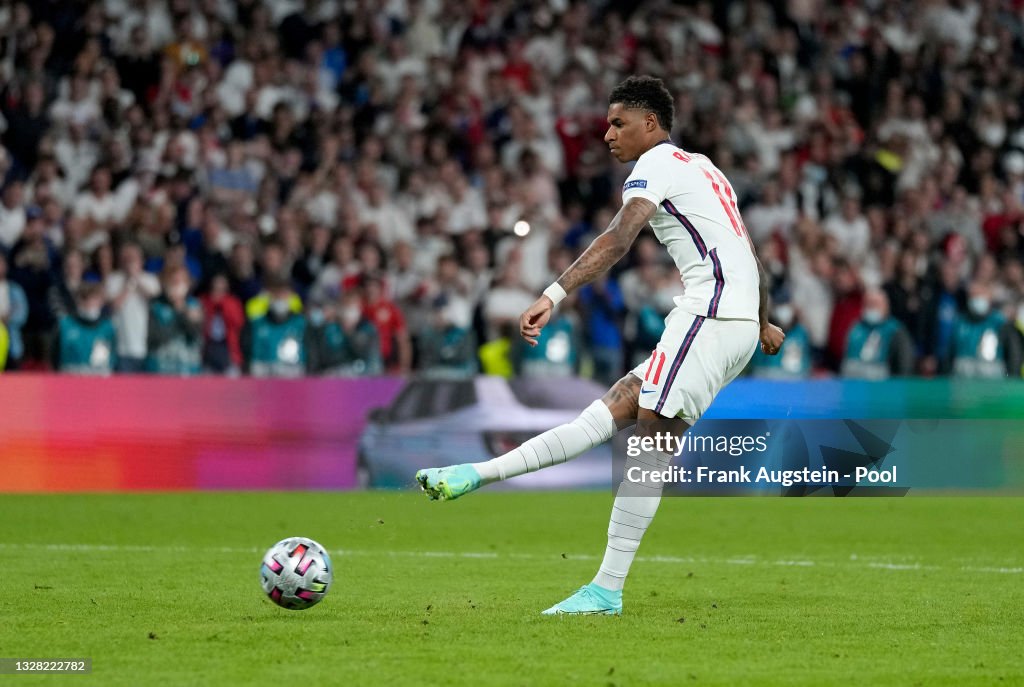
[(652, 121)]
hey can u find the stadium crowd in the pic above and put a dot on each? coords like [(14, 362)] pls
[(277, 187)]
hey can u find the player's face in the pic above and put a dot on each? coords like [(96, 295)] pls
[(626, 132)]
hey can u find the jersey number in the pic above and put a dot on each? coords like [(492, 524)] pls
[(723, 190), (660, 358)]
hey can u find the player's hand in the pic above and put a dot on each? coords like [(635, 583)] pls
[(534, 319), (771, 338)]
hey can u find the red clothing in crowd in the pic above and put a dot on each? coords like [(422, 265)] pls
[(231, 316), (388, 320), (844, 315)]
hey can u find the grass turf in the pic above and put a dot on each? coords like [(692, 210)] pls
[(162, 589)]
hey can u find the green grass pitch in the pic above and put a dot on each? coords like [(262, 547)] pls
[(162, 589)]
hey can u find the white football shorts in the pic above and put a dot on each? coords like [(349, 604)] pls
[(696, 357)]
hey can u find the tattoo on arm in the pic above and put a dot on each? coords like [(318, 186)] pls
[(610, 246)]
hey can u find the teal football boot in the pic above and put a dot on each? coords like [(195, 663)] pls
[(589, 600), (449, 483)]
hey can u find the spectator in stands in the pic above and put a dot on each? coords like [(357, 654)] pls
[(12, 214), (849, 228), (603, 309), (848, 295), (296, 126), (878, 345), (505, 301), (245, 283), (275, 343), (13, 314), (910, 298), (33, 261), (98, 206), (272, 270), (344, 342), (446, 343), (648, 288), (313, 258), (86, 341), (223, 318), (949, 297), (234, 182), (984, 344), (390, 220), (63, 295), (341, 268), (395, 342), (210, 250), (129, 291), (771, 214), (175, 327)]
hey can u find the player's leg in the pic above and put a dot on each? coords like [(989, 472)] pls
[(708, 355), (636, 502), (704, 355), (595, 425)]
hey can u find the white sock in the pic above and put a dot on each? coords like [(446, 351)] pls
[(634, 508), (594, 426)]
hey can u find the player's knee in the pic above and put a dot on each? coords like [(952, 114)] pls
[(623, 401), (650, 423)]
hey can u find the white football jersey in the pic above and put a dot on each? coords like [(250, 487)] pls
[(698, 222)]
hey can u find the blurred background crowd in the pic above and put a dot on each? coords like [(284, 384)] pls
[(279, 187)]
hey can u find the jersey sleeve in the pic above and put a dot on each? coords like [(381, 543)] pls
[(649, 180)]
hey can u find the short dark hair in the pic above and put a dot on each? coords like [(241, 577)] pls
[(646, 93)]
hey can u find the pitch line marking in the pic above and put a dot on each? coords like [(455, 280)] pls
[(854, 561)]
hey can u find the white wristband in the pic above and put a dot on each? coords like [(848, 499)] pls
[(555, 292)]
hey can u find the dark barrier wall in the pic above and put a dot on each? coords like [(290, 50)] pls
[(61, 433)]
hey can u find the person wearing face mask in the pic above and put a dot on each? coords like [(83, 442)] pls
[(445, 343), (175, 327), (878, 346), (984, 344), (86, 340), (343, 343), (794, 358), (275, 344), (273, 271)]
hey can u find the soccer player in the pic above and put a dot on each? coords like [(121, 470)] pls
[(709, 337)]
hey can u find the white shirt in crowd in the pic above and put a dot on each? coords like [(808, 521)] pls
[(392, 224), (763, 220), (12, 224), (854, 235), (132, 320)]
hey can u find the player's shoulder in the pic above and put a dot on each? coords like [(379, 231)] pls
[(666, 150), (671, 157)]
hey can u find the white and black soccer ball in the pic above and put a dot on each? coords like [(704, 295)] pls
[(296, 573)]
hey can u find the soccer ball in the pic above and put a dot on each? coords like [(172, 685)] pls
[(296, 573)]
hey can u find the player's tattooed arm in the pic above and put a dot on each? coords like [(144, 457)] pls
[(608, 248), (604, 252)]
